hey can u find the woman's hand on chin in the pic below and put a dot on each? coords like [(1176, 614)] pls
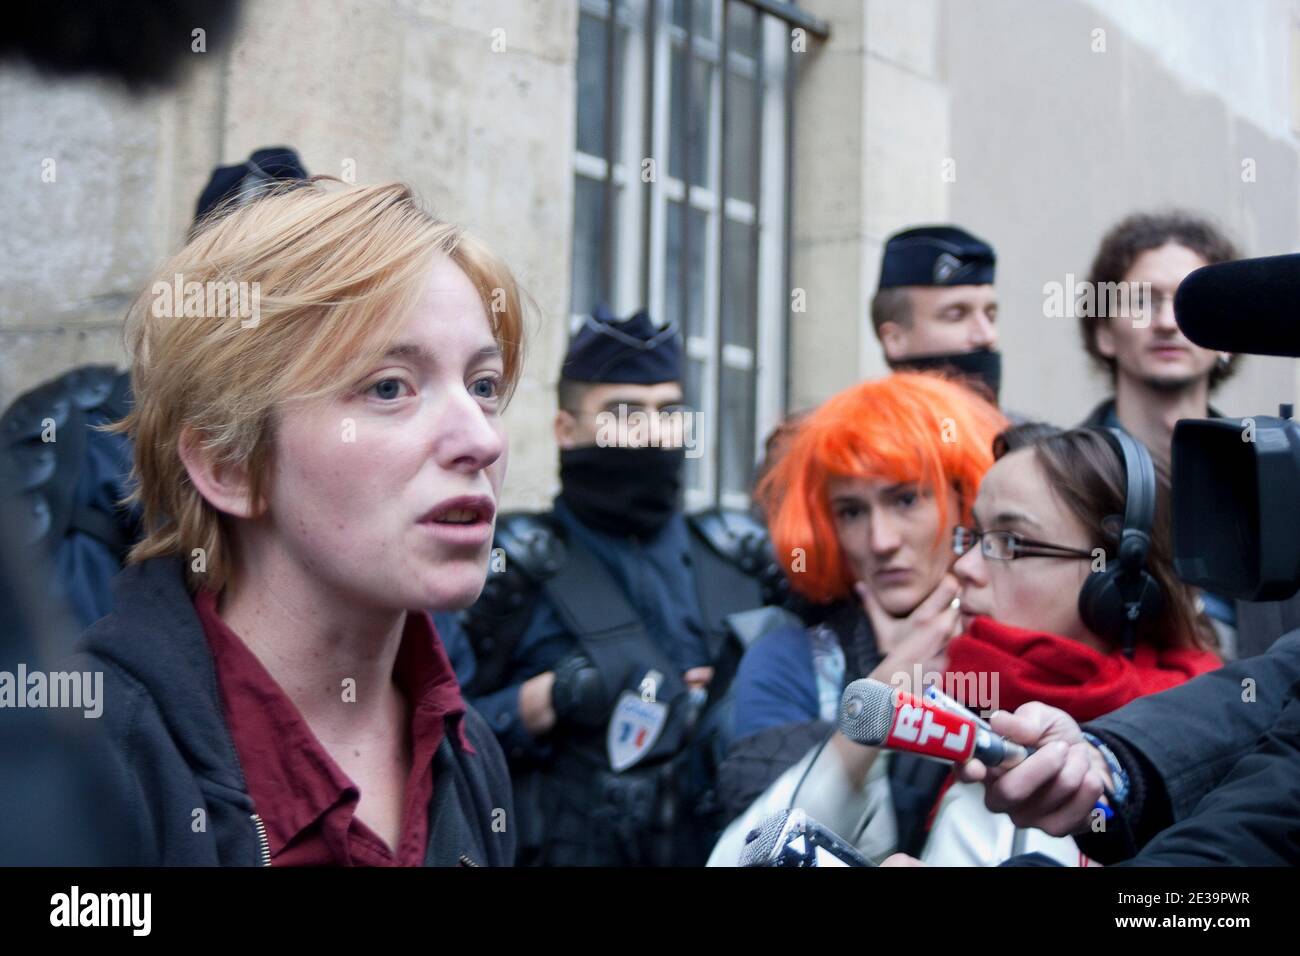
[(920, 639)]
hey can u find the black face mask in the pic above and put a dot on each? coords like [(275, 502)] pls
[(622, 491), (982, 369)]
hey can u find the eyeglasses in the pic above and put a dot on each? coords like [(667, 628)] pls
[(1009, 545), (1149, 305)]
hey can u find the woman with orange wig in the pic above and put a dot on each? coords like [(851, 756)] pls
[(861, 506)]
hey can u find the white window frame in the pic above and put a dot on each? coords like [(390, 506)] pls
[(772, 304)]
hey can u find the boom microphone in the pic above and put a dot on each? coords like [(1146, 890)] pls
[(1234, 504), (1243, 306), (877, 715)]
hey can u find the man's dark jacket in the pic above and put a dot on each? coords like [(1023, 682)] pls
[(169, 754), (1215, 769), (1252, 818)]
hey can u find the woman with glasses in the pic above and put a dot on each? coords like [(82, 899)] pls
[(1050, 513), (861, 503)]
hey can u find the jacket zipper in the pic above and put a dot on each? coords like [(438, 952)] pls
[(263, 844)]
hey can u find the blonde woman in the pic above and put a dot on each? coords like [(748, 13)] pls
[(319, 378)]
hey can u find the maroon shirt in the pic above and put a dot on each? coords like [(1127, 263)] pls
[(306, 801)]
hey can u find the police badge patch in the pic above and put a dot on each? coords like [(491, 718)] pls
[(944, 266), (633, 729)]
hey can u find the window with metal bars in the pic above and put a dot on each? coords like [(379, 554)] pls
[(681, 203)]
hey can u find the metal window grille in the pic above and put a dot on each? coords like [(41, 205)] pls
[(681, 202)]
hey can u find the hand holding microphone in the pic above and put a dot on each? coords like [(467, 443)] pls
[(1035, 764), (1057, 787)]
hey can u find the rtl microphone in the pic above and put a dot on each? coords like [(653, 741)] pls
[(788, 838), (877, 715)]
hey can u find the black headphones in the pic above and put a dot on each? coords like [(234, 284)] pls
[(1121, 601)]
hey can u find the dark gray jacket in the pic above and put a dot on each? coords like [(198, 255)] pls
[(1252, 818), (171, 758), (1183, 744)]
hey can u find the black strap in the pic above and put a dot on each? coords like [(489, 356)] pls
[(592, 607), (722, 589), (589, 600)]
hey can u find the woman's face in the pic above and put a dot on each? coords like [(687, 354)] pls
[(1035, 593), (387, 495), (893, 537)]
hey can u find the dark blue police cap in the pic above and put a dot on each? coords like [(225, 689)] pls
[(936, 255), (250, 178), (633, 351)]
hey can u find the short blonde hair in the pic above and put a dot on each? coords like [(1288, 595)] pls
[(337, 270)]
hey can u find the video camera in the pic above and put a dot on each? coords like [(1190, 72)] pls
[(1236, 481)]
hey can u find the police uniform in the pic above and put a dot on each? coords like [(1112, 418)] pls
[(620, 612)]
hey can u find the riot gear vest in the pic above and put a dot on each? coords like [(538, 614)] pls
[(636, 789)]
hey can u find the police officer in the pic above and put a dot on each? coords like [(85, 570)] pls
[(935, 306), (600, 649)]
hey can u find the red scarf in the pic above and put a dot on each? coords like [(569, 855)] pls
[(1083, 682)]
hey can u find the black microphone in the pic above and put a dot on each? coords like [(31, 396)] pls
[(1243, 306), (789, 838)]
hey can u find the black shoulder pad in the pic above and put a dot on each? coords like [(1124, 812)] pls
[(46, 473), (736, 536), (533, 551), (99, 386), (743, 541), (532, 544), (86, 389)]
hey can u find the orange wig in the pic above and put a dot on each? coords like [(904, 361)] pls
[(910, 427)]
